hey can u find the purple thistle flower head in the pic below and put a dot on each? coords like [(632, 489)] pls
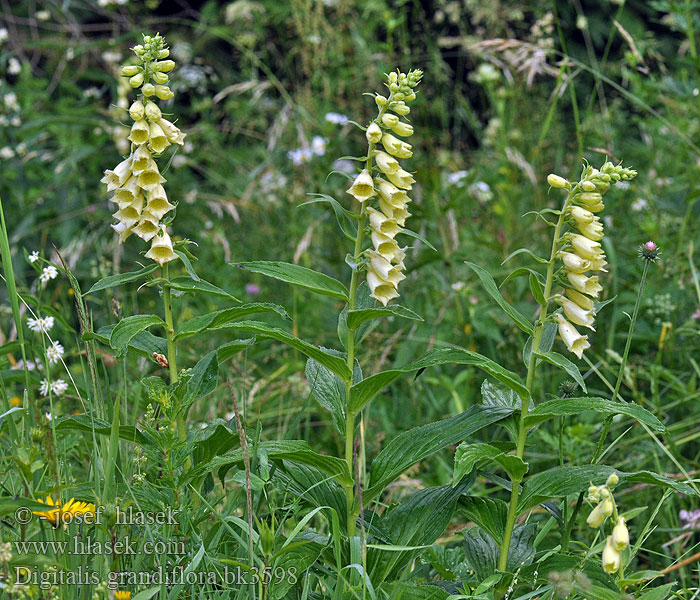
[(649, 251), (651, 246)]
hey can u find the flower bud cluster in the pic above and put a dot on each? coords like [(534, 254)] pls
[(384, 180), (582, 251), (605, 507), (136, 181)]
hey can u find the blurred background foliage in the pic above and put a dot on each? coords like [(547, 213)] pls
[(512, 91)]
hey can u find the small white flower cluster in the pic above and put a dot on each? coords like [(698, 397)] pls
[(136, 181), (48, 273), (57, 387), (604, 502), (582, 252), (41, 324), (303, 155), (385, 261)]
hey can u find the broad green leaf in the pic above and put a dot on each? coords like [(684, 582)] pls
[(86, 423), (184, 283), (361, 393), (492, 289), (217, 437), (221, 317), (488, 513), (299, 276), (660, 593), (415, 523), (116, 280), (300, 554), (414, 445), (312, 486), (561, 407), (563, 481), (556, 359), (145, 343), (482, 551), (356, 317), (294, 450), (470, 455), (329, 391), (129, 327), (230, 349), (334, 363), (202, 380)]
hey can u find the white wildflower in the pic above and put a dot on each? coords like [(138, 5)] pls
[(47, 273), (54, 352), (59, 387), (318, 146), (40, 325), (34, 256)]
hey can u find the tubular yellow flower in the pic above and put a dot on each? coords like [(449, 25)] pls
[(363, 187), (381, 223), (596, 517), (575, 313), (389, 120), (611, 557), (161, 248), (575, 342), (374, 134), (391, 193), (593, 230), (402, 129), (381, 290), (620, 535), (396, 147), (581, 215), (575, 263), (585, 285), (386, 163), (401, 179), (137, 181), (584, 247), (581, 300)]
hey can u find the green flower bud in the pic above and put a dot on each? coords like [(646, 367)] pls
[(139, 50), (557, 182), (612, 480), (130, 70), (588, 186), (163, 92), (137, 111), (148, 90), (164, 53), (152, 111), (164, 66), (136, 80), (380, 100), (160, 78)]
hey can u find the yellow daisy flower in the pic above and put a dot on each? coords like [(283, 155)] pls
[(64, 513)]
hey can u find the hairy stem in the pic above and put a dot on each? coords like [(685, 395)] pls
[(525, 402)]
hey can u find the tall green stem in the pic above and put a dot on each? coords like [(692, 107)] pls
[(623, 364), (525, 402)]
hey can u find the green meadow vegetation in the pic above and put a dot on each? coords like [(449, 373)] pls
[(365, 299)]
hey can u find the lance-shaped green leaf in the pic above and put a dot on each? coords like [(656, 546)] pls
[(492, 289), (202, 381), (416, 444), (334, 363), (469, 456), (230, 349), (563, 481), (361, 393), (357, 317), (556, 359), (184, 283), (563, 407), (129, 327), (295, 450), (221, 317), (488, 513), (87, 423), (117, 280), (299, 276), (329, 391)]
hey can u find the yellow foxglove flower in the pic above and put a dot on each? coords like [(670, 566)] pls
[(127, 194), (620, 535), (160, 78), (611, 557), (363, 187), (384, 245), (597, 516), (401, 179), (599, 264), (384, 269), (157, 139), (583, 301), (141, 159), (152, 111), (128, 215), (593, 231), (374, 134), (386, 163), (401, 108), (130, 70), (164, 66), (557, 182), (396, 147), (163, 92), (584, 247), (148, 227), (174, 135), (389, 120), (402, 129), (137, 110), (136, 80), (161, 249), (574, 263), (150, 178), (139, 132), (391, 193), (380, 223), (122, 230), (158, 206), (574, 341), (118, 176), (381, 290), (585, 285), (581, 215), (576, 314)]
